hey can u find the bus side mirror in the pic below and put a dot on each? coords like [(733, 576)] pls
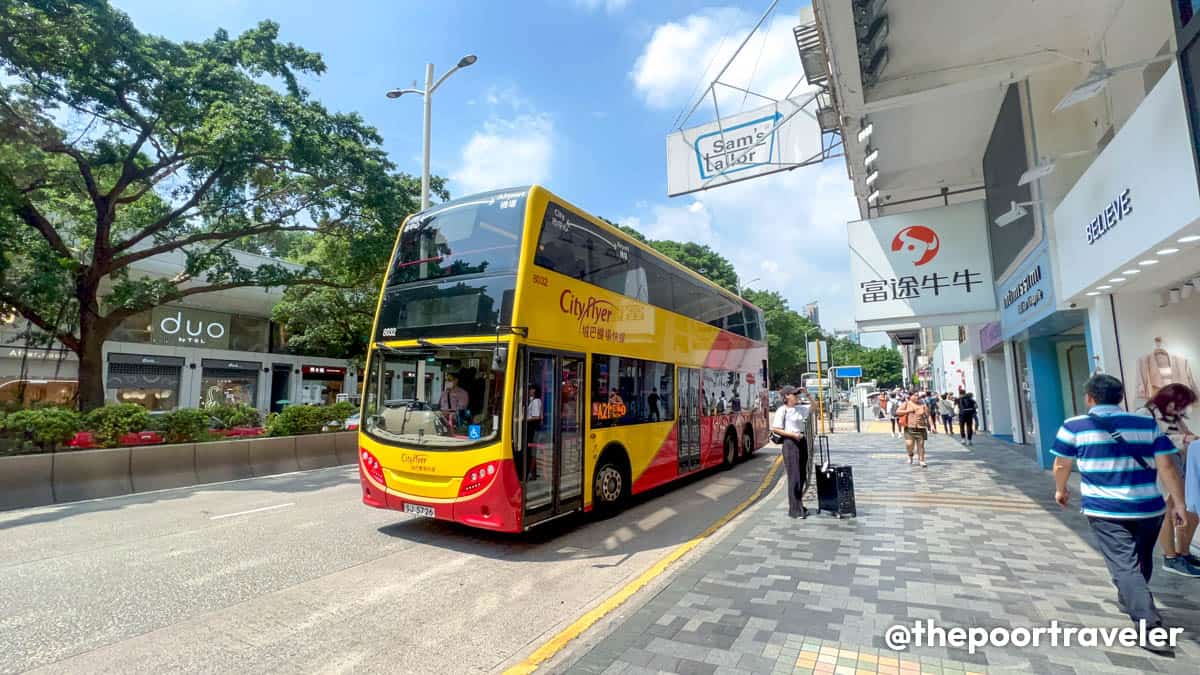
[(500, 359)]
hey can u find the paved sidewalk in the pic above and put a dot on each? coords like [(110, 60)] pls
[(975, 540)]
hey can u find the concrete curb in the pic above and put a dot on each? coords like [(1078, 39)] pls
[(346, 445), (158, 467), (88, 474), (269, 456), (25, 480), (51, 478), (222, 460), (316, 452)]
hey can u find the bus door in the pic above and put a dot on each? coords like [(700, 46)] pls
[(552, 443), (689, 419)]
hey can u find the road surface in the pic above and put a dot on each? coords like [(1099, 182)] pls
[(293, 574)]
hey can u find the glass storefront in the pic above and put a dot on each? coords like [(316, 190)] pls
[(1025, 399), (149, 381), (225, 382), (321, 384)]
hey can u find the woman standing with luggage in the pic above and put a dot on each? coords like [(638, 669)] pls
[(788, 423), (915, 417)]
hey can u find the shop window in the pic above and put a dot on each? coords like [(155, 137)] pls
[(631, 391), (154, 387), (16, 392), (249, 333), (227, 383)]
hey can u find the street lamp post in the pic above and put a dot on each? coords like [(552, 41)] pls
[(427, 94), (742, 287)]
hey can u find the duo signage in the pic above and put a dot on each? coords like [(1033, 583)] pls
[(187, 327)]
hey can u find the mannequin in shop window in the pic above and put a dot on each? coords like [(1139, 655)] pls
[(1160, 368)]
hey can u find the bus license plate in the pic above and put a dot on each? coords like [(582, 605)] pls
[(418, 510)]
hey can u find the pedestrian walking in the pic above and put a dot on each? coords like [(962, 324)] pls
[(967, 410), (1120, 456), (915, 418), (945, 408), (893, 405), (789, 422), (1168, 408), (931, 402)]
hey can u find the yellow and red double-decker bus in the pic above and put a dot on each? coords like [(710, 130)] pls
[(529, 360)]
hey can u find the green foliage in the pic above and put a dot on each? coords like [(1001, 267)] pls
[(340, 411), (696, 257), (109, 423), (47, 427), (305, 419), (116, 146), (184, 425), (235, 415)]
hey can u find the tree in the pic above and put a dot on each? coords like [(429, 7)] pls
[(180, 148), (696, 257)]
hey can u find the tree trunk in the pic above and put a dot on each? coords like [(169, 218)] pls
[(91, 355)]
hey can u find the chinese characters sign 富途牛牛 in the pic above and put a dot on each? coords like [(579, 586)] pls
[(911, 286)]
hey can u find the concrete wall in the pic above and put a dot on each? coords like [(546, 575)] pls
[(36, 480)]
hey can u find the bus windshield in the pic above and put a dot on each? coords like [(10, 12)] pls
[(433, 398), (478, 235)]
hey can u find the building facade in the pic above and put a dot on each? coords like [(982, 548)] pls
[(213, 348), (1075, 126)]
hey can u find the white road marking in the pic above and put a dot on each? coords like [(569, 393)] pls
[(242, 513)]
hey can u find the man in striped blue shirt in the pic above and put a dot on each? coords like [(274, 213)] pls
[(1120, 458)]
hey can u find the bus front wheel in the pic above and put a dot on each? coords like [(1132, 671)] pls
[(610, 485)]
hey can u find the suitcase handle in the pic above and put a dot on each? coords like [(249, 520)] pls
[(823, 457)]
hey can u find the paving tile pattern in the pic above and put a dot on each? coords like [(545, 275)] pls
[(974, 540)]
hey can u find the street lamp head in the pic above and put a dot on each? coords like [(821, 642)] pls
[(395, 93), (467, 60)]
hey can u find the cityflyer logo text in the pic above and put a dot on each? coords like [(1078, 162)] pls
[(593, 315), (919, 242)]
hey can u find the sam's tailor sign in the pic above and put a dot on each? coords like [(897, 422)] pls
[(1027, 295), (186, 327), (923, 265)]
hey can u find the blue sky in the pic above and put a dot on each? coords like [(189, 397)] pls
[(578, 95)]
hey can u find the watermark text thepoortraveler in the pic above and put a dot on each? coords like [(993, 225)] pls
[(926, 633)]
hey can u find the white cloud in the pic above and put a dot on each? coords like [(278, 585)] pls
[(504, 153), (668, 73), (610, 6), (788, 230)]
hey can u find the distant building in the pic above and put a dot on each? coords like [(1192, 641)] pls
[(812, 312), (851, 335)]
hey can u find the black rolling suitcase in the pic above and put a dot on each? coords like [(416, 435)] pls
[(835, 483)]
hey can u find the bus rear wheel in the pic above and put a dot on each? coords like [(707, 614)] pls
[(747, 444), (731, 448)]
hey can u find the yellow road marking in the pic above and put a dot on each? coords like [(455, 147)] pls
[(566, 635), (951, 496)]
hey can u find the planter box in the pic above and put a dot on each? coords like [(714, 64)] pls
[(89, 474), (163, 466), (269, 456), (25, 481)]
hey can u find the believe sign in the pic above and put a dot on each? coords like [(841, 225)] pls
[(777, 137), (922, 268)]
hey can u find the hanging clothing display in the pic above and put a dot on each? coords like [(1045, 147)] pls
[(1160, 368)]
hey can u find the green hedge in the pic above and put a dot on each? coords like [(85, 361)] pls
[(308, 419), (47, 427), (235, 415), (111, 422)]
